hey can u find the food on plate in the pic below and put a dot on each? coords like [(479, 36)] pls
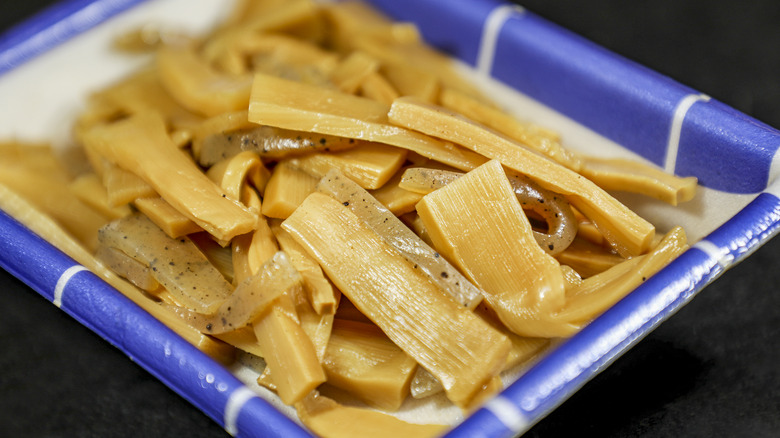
[(311, 184)]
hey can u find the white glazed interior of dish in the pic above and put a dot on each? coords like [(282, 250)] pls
[(41, 98)]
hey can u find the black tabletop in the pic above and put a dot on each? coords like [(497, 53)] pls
[(710, 370)]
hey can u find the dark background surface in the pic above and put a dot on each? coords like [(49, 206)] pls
[(710, 370)]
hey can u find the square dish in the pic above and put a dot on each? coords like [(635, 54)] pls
[(585, 368)]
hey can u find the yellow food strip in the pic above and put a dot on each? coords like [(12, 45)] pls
[(418, 56), (361, 360), (410, 81), (632, 176), (167, 218), (321, 293), (54, 198), (377, 87), (244, 339), (39, 158), (399, 201), (235, 173), (90, 190), (198, 87), (286, 190), (393, 232), (294, 52), (353, 70), (236, 39), (292, 105), (240, 49), (251, 250), (295, 368), (141, 145), (219, 256), (477, 224), (123, 187), (524, 348), (504, 123), (352, 20), (329, 419), (371, 165), (596, 294), (142, 93), (317, 326), (624, 229), (587, 258), (461, 350)]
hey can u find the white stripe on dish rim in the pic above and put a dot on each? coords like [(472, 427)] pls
[(773, 185), (490, 30), (507, 413), (680, 111), (59, 288), (721, 255), (236, 401)]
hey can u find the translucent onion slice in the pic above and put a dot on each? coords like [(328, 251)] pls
[(268, 142), (127, 267), (251, 298), (177, 264)]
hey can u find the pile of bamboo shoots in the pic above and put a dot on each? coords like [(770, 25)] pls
[(313, 185)]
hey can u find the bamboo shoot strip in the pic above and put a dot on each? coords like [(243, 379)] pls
[(240, 170), (197, 86), (329, 419), (286, 189), (525, 133), (360, 359), (320, 292), (371, 165), (553, 208), (625, 230), (292, 359), (596, 294), (141, 145), (477, 224), (632, 176), (454, 344), (170, 220), (400, 237), (293, 105)]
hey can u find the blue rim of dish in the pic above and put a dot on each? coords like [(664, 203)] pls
[(489, 30)]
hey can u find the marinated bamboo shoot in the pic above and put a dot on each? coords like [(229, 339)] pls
[(461, 350), (292, 105), (477, 223), (361, 360), (141, 145), (329, 419), (624, 229)]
